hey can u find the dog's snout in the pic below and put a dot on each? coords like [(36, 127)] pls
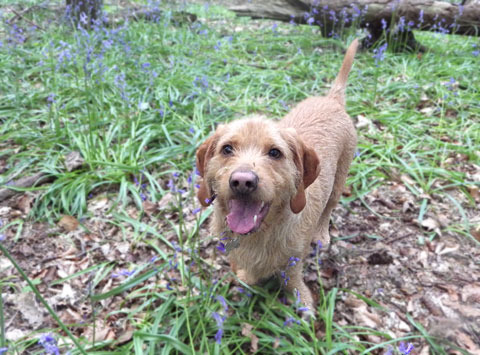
[(243, 182)]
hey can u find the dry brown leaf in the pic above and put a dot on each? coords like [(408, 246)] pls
[(150, 208), (474, 191), (68, 223), (475, 232), (30, 309), (467, 343), (431, 224), (363, 122), (247, 332), (125, 336), (74, 161), (24, 203)]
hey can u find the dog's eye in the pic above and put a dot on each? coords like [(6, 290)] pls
[(274, 153), (227, 149)]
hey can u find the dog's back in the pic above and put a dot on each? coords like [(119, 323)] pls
[(323, 124)]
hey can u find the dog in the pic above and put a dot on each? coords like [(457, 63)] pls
[(275, 184)]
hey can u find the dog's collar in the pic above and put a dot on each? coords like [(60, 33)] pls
[(233, 240)]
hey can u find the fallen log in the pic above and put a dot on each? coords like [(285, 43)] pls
[(27, 181), (376, 16)]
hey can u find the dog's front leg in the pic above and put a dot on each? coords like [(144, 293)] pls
[(244, 276), (295, 282)]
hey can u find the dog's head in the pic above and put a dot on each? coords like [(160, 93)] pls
[(255, 169)]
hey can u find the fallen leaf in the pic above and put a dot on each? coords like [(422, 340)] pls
[(363, 122), (24, 203), (474, 191), (68, 223), (475, 232), (247, 332), (29, 308), (150, 208), (431, 224), (74, 161)]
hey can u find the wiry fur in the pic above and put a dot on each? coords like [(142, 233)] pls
[(317, 140)]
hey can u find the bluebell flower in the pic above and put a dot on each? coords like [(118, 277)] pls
[(191, 130), (218, 318), (420, 18), (379, 53), (221, 247), (196, 210), (3, 350), (290, 320), (222, 301), (384, 24), (242, 290), (218, 336), (405, 349), (293, 261), (49, 344)]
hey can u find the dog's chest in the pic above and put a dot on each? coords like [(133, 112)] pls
[(264, 255)]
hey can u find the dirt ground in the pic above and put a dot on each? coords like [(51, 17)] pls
[(427, 270)]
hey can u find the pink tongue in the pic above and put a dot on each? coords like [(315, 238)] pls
[(242, 214)]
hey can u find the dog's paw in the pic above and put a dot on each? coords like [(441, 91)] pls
[(245, 277), (308, 315)]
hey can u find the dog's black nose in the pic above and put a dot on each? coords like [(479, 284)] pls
[(243, 182)]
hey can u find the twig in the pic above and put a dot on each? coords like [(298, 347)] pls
[(27, 181), (26, 19)]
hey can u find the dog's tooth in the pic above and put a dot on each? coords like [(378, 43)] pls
[(263, 204), (255, 219)]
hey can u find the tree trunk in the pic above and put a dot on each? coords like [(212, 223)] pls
[(84, 12), (375, 15)]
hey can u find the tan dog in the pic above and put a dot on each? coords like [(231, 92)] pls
[(258, 172)]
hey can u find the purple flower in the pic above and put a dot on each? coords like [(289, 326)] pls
[(290, 320), (406, 350), (124, 272), (49, 344), (401, 24), (384, 24), (242, 290), (218, 318), (218, 336), (293, 261), (420, 18), (51, 98), (3, 350), (196, 210), (191, 130), (2, 237), (145, 65), (380, 53), (221, 299), (221, 247)]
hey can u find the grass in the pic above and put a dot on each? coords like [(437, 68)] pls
[(138, 99)]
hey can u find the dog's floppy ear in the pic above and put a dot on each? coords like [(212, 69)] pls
[(204, 153), (308, 165)]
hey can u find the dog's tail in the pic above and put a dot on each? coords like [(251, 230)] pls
[(337, 91)]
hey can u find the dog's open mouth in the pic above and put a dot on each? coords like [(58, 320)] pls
[(246, 216)]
